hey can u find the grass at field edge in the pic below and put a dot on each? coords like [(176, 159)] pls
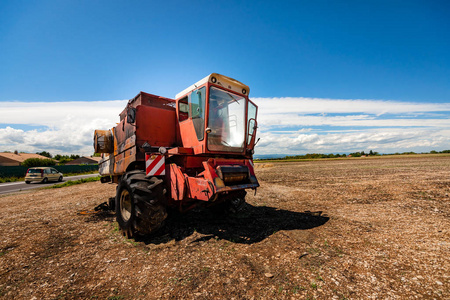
[(73, 182)]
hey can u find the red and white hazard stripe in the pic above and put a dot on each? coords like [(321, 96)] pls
[(155, 164)]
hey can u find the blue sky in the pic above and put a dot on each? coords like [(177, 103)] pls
[(343, 75)]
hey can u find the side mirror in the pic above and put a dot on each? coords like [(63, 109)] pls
[(131, 115), (252, 127)]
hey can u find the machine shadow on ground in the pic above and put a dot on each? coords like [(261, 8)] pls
[(253, 224)]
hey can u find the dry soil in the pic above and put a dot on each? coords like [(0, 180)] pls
[(325, 229)]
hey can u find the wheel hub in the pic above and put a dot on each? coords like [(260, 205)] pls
[(125, 205)]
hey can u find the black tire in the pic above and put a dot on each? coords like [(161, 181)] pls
[(45, 180), (60, 178), (112, 203), (27, 182), (139, 204), (230, 203)]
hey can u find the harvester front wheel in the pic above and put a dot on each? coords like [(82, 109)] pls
[(230, 204), (139, 204)]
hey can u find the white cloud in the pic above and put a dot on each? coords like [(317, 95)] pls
[(10, 135), (302, 105), (68, 127), (286, 125), (271, 121), (380, 140), (56, 114), (305, 125)]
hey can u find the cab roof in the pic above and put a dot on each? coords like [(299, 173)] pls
[(222, 80)]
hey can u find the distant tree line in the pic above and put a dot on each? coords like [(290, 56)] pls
[(362, 153), (431, 152), (354, 154), (62, 159), (38, 162), (312, 156), (50, 161)]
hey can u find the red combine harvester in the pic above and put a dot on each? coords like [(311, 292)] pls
[(194, 151)]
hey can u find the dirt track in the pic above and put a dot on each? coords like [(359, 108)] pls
[(384, 232)]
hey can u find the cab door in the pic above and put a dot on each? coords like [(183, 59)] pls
[(252, 125), (191, 117)]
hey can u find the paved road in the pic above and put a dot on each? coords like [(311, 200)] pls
[(11, 187)]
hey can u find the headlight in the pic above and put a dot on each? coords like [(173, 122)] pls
[(219, 182), (162, 150)]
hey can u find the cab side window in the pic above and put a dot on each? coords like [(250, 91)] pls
[(197, 112), (183, 109)]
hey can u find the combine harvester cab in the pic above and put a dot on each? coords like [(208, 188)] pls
[(196, 150)]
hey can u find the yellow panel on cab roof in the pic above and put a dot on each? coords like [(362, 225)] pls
[(221, 80)]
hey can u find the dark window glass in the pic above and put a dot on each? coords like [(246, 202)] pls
[(197, 101), (183, 109)]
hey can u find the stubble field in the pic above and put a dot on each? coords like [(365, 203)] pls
[(326, 229)]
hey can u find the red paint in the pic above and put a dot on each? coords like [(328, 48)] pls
[(189, 170)]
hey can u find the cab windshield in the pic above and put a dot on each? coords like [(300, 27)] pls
[(226, 121)]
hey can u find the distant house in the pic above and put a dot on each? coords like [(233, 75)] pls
[(85, 160), (12, 159)]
